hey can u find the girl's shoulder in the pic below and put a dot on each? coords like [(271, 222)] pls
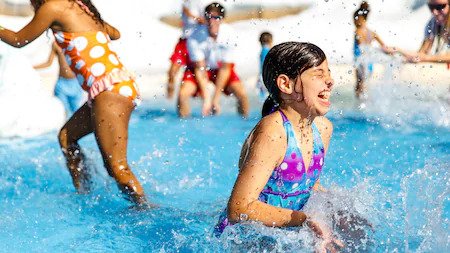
[(271, 126)]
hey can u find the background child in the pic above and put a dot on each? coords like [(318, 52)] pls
[(191, 15), (212, 51), (363, 39), (266, 41), (282, 158), (67, 89)]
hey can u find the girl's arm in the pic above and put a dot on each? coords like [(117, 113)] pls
[(438, 58), (426, 46), (41, 21), (386, 49), (378, 39), (113, 33), (187, 12), (265, 150)]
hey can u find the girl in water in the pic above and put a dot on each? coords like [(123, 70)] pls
[(362, 43), (84, 38), (282, 158)]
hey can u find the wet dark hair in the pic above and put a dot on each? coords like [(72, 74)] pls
[(291, 59), (96, 15), (215, 7), (265, 38), (363, 11)]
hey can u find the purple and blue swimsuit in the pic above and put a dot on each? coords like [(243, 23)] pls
[(290, 184)]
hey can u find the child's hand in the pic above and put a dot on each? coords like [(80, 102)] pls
[(329, 243), (412, 57), (389, 50)]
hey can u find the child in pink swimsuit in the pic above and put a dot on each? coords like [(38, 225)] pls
[(282, 158)]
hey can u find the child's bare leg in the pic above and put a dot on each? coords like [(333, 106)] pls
[(187, 90), (76, 127), (238, 90), (173, 71), (360, 88), (110, 116)]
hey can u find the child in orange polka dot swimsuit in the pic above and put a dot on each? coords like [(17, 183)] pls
[(85, 40), (97, 66)]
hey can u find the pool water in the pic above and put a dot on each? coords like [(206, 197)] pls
[(394, 176)]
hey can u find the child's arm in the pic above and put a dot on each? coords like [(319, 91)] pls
[(49, 61), (421, 57), (378, 39), (426, 46), (265, 150), (41, 21), (113, 33), (187, 12), (386, 49)]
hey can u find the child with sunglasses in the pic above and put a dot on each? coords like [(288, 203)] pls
[(212, 51)]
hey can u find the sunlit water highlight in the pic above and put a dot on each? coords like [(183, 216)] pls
[(393, 176)]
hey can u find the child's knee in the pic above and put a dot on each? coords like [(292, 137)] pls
[(119, 171)]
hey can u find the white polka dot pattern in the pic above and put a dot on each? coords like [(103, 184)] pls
[(284, 166), (98, 69), (126, 91), (96, 52), (101, 38), (80, 43), (113, 59)]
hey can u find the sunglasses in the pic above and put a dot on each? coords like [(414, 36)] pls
[(218, 17), (438, 7)]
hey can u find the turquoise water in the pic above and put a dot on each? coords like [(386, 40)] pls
[(395, 176)]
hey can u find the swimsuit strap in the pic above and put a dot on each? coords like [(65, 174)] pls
[(285, 119), (317, 143), (84, 7)]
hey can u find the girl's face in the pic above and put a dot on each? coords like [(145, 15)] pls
[(315, 85), (360, 21)]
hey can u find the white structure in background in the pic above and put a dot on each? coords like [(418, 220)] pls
[(26, 107)]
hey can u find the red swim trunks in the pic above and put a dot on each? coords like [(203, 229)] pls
[(180, 54), (212, 76)]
